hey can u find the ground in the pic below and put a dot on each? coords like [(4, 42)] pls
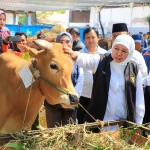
[(43, 117)]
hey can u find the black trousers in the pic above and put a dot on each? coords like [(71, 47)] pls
[(147, 105), (59, 116), (84, 101)]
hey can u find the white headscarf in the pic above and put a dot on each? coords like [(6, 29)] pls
[(128, 42)]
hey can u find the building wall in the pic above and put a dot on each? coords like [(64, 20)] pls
[(133, 17), (9, 18), (79, 16)]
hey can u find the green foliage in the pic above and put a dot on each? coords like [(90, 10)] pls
[(147, 145), (121, 133), (94, 146), (23, 19), (46, 14), (49, 13), (73, 137), (15, 145), (147, 19), (61, 11)]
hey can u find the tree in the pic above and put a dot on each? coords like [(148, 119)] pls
[(98, 9), (100, 22), (148, 20), (41, 16), (23, 18)]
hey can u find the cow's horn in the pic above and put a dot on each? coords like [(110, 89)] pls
[(43, 44)]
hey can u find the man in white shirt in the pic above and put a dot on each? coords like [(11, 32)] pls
[(121, 28), (91, 41)]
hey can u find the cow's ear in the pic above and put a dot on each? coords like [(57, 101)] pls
[(23, 49), (33, 52)]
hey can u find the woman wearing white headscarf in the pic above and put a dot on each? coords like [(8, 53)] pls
[(117, 90)]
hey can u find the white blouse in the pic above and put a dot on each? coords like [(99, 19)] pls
[(88, 74), (116, 106)]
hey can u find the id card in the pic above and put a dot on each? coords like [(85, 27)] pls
[(26, 76)]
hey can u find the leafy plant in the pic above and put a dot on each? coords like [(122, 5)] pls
[(15, 145), (148, 20), (23, 19), (43, 15), (49, 13)]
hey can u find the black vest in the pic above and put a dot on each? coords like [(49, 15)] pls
[(100, 90)]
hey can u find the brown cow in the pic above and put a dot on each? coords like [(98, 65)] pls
[(105, 43), (19, 107)]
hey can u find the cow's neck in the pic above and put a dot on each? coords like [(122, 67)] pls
[(36, 100)]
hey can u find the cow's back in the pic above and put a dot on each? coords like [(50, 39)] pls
[(19, 105), (10, 64), (13, 94)]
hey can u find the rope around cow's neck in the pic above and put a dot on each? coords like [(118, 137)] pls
[(53, 85), (37, 74), (23, 123)]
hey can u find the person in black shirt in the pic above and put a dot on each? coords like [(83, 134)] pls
[(40, 35), (77, 43)]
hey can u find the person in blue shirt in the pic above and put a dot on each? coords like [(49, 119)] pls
[(138, 39), (146, 56), (145, 40)]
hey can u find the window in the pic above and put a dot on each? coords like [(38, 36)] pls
[(79, 16)]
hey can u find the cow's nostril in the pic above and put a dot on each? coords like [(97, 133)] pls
[(73, 99)]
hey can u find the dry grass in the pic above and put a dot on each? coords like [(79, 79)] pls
[(75, 137), (53, 32)]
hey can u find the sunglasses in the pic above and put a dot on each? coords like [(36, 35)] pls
[(64, 41)]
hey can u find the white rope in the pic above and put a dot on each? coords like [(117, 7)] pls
[(23, 123)]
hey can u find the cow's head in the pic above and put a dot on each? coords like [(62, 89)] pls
[(55, 66)]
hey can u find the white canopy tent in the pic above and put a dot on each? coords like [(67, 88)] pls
[(49, 5)]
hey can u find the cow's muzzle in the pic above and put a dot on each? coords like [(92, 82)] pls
[(73, 99)]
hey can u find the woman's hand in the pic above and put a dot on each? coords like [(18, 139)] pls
[(68, 50), (6, 40)]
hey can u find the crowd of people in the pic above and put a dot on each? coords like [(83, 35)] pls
[(111, 84)]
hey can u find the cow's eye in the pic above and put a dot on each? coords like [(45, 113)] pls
[(54, 66)]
